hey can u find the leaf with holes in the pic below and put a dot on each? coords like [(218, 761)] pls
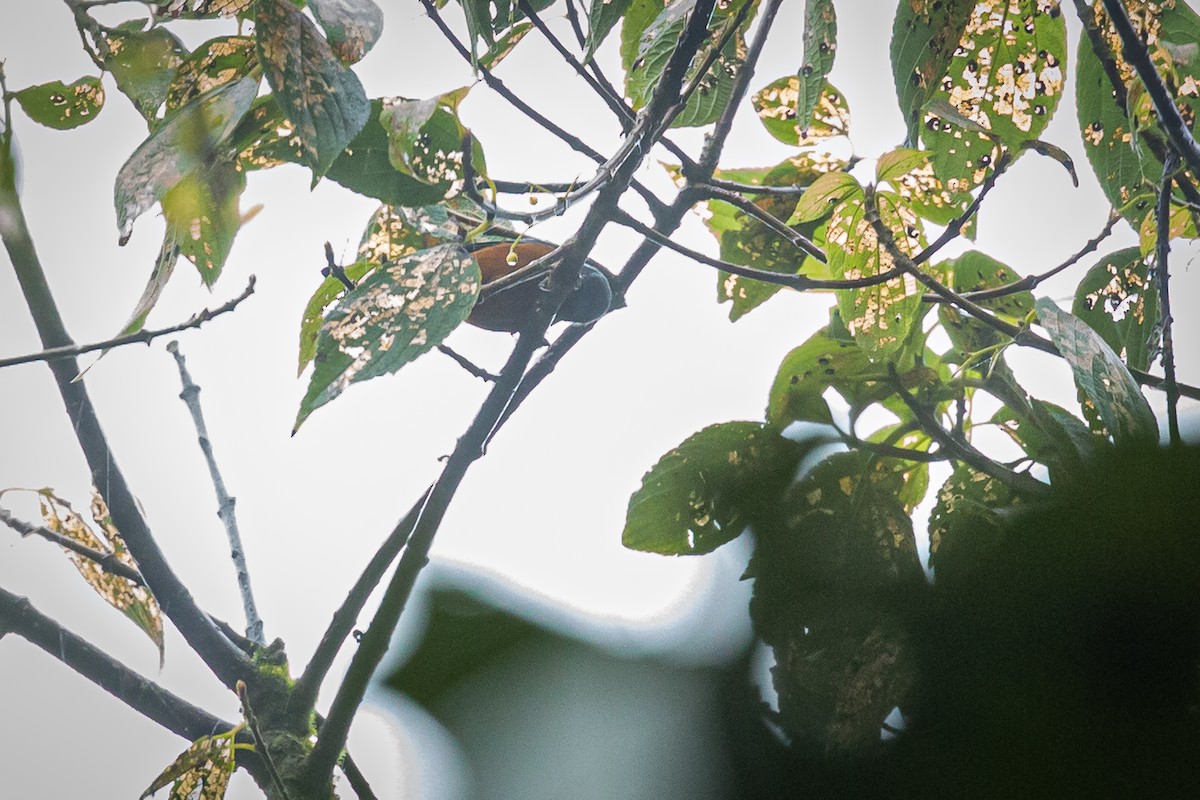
[(352, 26), (1181, 224), (504, 44), (203, 214), (213, 64), (1006, 74), (704, 492), (749, 242), (964, 521), (129, 597), (881, 316), (776, 107), (425, 139), (602, 18), (1117, 300), (62, 107), (820, 45), (1101, 375), (396, 314), (910, 174), (201, 772), (974, 271), (182, 145), (1115, 138), (143, 64), (322, 98), (330, 290), (201, 9), (925, 35), (823, 196)]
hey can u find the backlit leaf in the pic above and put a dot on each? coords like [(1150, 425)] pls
[(57, 105), (143, 64), (776, 107), (129, 597), (965, 513), (322, 98), (604, 15), (215, 63), (397, 313), (203, 214), (911, 176), (184, 144), (974, 271), (201, 9), (925, 35), (704, 492), (1101, 375), (199, 773)]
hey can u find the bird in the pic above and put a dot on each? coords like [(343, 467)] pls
[(509, 309)]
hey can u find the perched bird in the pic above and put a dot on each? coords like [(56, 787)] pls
[(508, 310)]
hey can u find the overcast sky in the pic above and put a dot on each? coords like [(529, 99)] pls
[(543, 510)]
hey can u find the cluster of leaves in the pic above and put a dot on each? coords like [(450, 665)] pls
[(977, 83)]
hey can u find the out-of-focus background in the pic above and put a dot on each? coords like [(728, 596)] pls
[(540, 656)]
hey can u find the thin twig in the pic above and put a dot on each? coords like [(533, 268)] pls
[(1163, 278), (174, 713), (956, 225), (961, 450), (778, 226), (226, 661), (106, 561), (139, 337), (226, 503)]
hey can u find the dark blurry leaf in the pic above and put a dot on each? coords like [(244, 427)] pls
[(1116, 299), (1052, 436), (703, 493), (965, 517), (199, 773), (323, 99), (203, 214), (143, 64), (1101, 375), (215, 63), (185, 144), (57, 105), (130, 598), (820, 45), (776, 108), (352, 26), (396, 314)]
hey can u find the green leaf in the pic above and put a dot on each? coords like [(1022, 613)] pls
[(213, 64), (62, 107), (129, 597), (974, 271), (925, 35), (1052, 436), (704, 492), (823, 196), (143, 64), (746, 241), (352, 26), (203, 213), (164, 266), (183, 145), (201, 9), (395, 315), (820, 46), (1005, 74), (640, 16), (323, 99), (603, 16), (504, 45), (314, 312), (807, 371), (199, 773), (879, 317), (489, 20), (911, 176), (776, 108), (425, 139), (1101, 375), (1114, 138), (1117, 300)]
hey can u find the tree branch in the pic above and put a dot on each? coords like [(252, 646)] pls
[(226, 661), (138, 337), (106, 561), (225, 502), (1162, 274)]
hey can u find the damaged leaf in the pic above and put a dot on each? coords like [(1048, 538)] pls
[(61, 106)]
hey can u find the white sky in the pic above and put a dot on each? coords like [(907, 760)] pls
[(544, 509)]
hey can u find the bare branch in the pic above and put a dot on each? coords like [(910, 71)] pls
[(106, 561), (226, 503), (1162, 249), (138, 337)]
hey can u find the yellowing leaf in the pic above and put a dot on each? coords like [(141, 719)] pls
[(199, 773)]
